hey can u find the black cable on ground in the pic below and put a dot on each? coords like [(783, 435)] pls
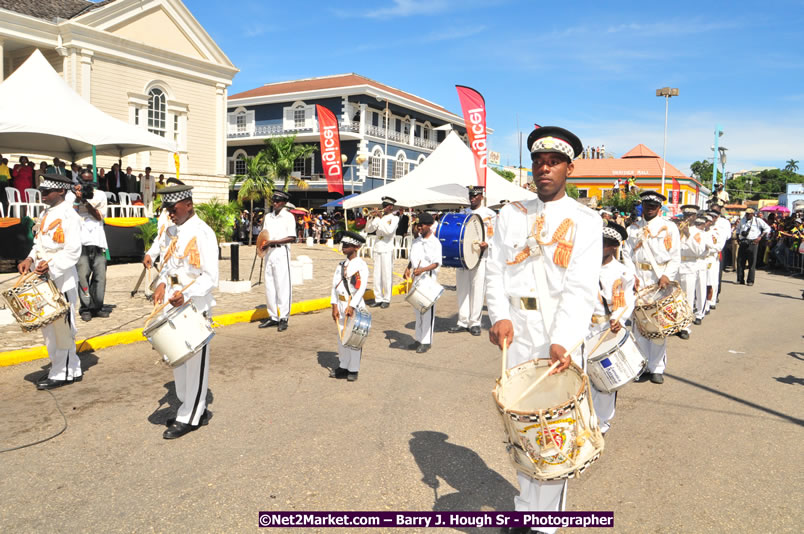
[(60, 432)]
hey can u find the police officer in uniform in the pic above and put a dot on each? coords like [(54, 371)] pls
[(542, 280), (281, 226), (385, 229), (348, 287), (472, 282)]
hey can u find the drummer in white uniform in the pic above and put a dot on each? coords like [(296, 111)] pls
[(700, 308), (472, 282), (425, 259), (693, 248), (56, 250), (385, 229), (542, 280), (653, 250), (281, 227), (613, 308), (348, 287), (191, 256)]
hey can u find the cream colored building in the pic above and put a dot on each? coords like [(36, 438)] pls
[(147, 62)]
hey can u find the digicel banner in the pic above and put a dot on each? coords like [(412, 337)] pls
[(330, 149), (474, 114)]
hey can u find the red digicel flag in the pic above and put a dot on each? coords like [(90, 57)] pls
[(474, 114), (330, 149), (676, 191)]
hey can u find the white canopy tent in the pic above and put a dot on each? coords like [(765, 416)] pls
[(41, 114), (441, 181)]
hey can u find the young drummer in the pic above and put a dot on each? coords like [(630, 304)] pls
[(348, 288), (616, 300), (693, 248), (701, 272), (425, 259)]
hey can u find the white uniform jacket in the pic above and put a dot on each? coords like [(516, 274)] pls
[(573, 288), (192, 255), (385, 229), (162, 238), (693, 251), (425, 252), (58, 240), (616, 291), (349, 284), (662, 238), (279, 226)]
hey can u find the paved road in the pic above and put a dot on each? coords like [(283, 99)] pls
[(716, 448)]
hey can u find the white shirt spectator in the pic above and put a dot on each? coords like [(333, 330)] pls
[(756, 228), (92, 232), (280, 226)]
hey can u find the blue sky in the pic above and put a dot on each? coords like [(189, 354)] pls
[(592, 67)]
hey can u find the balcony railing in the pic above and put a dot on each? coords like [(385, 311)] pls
[(425, 143)]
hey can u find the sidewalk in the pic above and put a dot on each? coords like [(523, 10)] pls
[(129, 313)]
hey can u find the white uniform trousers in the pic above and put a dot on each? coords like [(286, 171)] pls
[(190, 379), (688, 283), (700, 294), (471, 289), (425, 322), (712, 278), (604, 404), (60, 342), (349, 357), (655, 353), (531, 342), (277, 282), (383, 275)]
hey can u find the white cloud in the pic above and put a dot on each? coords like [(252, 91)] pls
[(407, 8)]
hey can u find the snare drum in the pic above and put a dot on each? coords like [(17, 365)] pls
[(616, 362), (660, 313), (357, 329), (35, 302), (180, 333), (459, 234), (424, 293), (553, 432)]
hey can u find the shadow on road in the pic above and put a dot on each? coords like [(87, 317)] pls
[(797, 355), (398, 340), (162, 413), (478, 487), (328, 360), (750, 404), (780, 295), (88, 359), (789, 379)]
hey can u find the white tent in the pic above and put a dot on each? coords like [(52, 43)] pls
[(444, 174), (41, 114)]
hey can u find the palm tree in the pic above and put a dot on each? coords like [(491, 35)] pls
[(281, 153), (258, 182), (792, 165)]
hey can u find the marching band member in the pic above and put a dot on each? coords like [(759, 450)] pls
[(616, 292), (653, 250), (163, 223), (425, 259), (191, 256), (281, 226), (711, 263), (700, 267), (385, 229), (471, 282), (348, 287), (542, 280), (56, 250), (693, 249), (723, 229)]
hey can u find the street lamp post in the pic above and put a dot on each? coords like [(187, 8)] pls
[(666, 92), (715, 154)]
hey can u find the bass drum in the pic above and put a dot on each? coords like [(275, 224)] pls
[(460, 234)]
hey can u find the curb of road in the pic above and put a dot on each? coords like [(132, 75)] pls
[(92, 344)]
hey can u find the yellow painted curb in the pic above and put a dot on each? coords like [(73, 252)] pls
[(14, 357)]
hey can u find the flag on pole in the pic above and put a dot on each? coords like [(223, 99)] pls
[(176, 161), (474, 115), (330, 149), (676, 196)]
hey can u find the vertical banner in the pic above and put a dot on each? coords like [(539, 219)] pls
[(330, 149), (474, 115), (176, 160), (675, 196)]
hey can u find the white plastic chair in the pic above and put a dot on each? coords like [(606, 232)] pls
[(112, 205), (406, 243), (370, 240), (133, 197), (2, 212), (397, 247), (125, 204), (14, 202), (33, 201)]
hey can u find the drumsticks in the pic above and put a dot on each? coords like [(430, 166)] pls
[(606, 335), (162, 307)]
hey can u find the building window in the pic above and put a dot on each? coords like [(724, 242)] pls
[(298, 165), (400, 167), (376, 163), (426, 132), (240, 120), (298, 117), (583, 193), (406, 127), (176, 128), (156, 111), (136, 116), (238, 162)]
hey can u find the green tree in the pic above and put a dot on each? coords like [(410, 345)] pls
[(792, 165), (622, 203), (219, 217), (257, 183), (572, 191), (702, 171), (281, 153), (508, 175)]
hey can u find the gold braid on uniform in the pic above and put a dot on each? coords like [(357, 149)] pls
[(190, 252), (563, 253), (617, 295), (170, 250), (58, 235), (668, 238)]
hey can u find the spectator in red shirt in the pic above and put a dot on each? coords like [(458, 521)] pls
[(22, 177)]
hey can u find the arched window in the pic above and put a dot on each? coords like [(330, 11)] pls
[(400, 166), (157, 111), (420, 160), (426, 130), (299, 116), (375, 162), (239, 158), (406, 128), (240, 120)]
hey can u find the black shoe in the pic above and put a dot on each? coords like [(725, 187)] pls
[(475, 330), (741, 282), (177, 430), (684, 334), (697, 321), (750, 283), (203, 421), (456, 329), (657, 378), (268, 322), (644, 377), (413, 346), (375, 304), (44, 378), (283, 325), (340, 372), (51, 383), (423, 348), (86, 316), (385, 305), (351, 377), (101, 313)]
